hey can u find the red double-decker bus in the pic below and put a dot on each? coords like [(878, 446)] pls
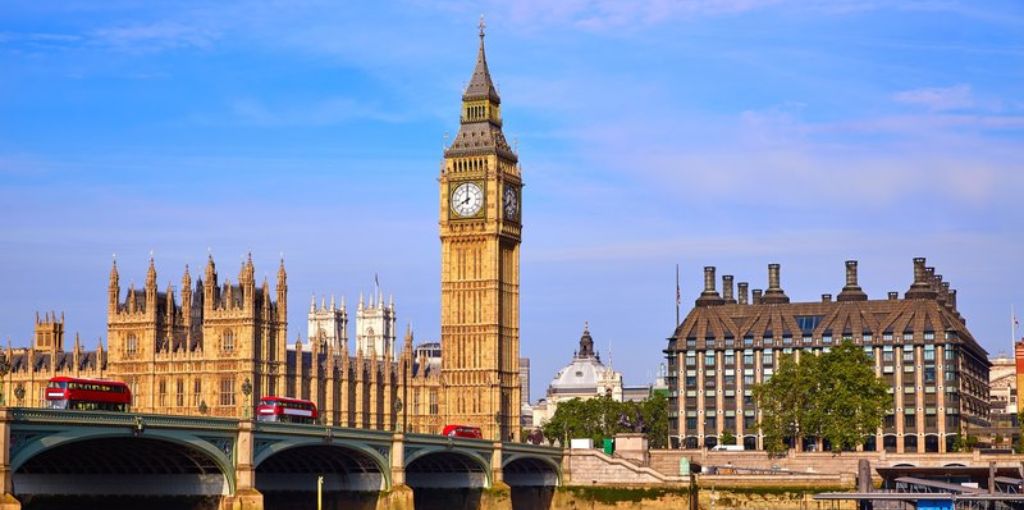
[(287, 410), (88, 395), (462, 431)]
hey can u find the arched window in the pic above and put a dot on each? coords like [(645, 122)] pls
[(132, 344), (227, 340)]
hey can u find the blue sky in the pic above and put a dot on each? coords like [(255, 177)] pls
[(732, 133)]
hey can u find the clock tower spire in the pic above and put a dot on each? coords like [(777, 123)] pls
[(480, 220)]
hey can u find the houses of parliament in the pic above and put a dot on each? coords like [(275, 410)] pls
[(214, 346)]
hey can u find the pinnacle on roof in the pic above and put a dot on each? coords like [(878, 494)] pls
[(586, 342), (480, 85)]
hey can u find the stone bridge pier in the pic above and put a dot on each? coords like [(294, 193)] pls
[(56, 458)]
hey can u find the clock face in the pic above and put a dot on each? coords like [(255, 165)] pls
[(467, 199), (511, 201)]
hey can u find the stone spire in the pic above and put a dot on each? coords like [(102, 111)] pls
[(480, 85), (114, 290), (151, 274), (480, 129)]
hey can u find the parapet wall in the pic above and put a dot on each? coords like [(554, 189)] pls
[(667, 461)]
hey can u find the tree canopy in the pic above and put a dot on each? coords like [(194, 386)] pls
[(834, 396), (598, 418)]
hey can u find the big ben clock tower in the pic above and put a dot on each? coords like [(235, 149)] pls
[(480, 234)]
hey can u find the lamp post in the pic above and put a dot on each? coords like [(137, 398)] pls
[(203, 407), (247, 390), (399, 407), (5, 367), (19, 393), (320, 492)]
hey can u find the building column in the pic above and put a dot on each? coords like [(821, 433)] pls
[(738, 388), (700, 399), (919, 401), (680, 397), (900, 417), (344, 388), (940, 395), (720, 395), (879, 438), (246, 497)]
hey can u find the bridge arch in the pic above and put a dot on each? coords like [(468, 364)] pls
[(531, 471), (447, 468), (346, 466), (105, 462)]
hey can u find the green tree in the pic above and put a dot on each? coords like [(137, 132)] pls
[(727, 437), (593, 418), (850, 400), (835, 396), (655, 413), (785, 401), (598, 418)]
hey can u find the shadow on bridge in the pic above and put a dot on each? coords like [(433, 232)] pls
[(447, 480), (120, 472), (288, 478), (532, 482)]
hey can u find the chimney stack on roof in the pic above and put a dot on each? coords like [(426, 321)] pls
[(826, 298), (774, 294), (894, 296), (851, 291), (922, 287), (710, 296), (727, 289), (742, 287), (757, 297)]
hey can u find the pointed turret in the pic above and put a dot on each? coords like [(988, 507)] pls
[(480, 129), (282, 293), (408, 338), (151, 275), (312, 303), (211, 269), (186, 298), (114, 289), (480, 85)]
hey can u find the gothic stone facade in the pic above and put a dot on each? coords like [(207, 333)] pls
[(194, 356), (480, 195), (920, 346)]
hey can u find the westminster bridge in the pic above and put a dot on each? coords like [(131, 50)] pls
[(86, 459)]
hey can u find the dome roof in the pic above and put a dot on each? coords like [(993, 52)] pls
[(585, 374), (582, 375)]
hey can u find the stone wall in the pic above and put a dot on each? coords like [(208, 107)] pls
[(667, 461), (645, 498), (589, 467)]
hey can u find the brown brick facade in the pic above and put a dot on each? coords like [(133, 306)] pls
[(920, 346)]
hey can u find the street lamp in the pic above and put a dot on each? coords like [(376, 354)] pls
[(399, 406), (5, 367), (19, 393), (203, 407), (320, 492), (247, 390)]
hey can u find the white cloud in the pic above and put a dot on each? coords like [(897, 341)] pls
[(329, 111), (957, 97), (154, 36)]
